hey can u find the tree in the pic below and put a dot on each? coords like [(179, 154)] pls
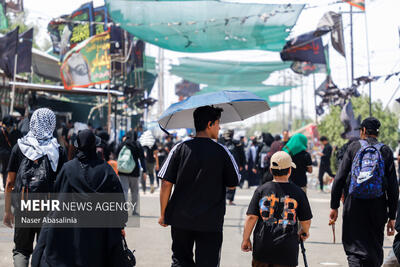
[(331, 126)]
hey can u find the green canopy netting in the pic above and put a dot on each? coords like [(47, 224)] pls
[(225, 73), (206, 26)]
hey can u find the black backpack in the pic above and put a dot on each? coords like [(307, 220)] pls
[(33, 177)]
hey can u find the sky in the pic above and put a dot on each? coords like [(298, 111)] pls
[(383, 40)]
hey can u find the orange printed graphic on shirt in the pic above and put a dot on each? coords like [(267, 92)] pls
[(269, 206)]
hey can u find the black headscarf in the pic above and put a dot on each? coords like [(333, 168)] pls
[(268, 139), (86, 143)]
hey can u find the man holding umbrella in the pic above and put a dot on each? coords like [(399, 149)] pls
[(200, 169)]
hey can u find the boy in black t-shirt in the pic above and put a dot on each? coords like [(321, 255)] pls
[(277, 207)]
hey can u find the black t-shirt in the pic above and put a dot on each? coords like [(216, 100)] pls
[(326, 158), (201, 169), (279, 207), (302, 161), (150, 153), (17, 157)]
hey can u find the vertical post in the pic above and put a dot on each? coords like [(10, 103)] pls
[(115, 118), (13, 87), (369, 65), (109, 109), (161, 80), (315, 99), (302, 101), (146, 109), (351, 44)]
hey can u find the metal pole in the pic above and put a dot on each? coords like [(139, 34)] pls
[(13, 86), (315, 99), (302, 102), (109, 109), (161, 80), (115, 118), (369, 65), (351, 43)]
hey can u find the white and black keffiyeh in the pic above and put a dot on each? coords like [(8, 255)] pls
[(40, 141)]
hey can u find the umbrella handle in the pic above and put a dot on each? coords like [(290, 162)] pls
[(165, 131)]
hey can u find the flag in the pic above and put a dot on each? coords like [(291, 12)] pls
[(56, 29), (3, 17), (332, 22), (8, 50), (350, 122), (100, 15), (357, 3), (305, 47), (15, 6), (81, 31), (88, 63), (306, 68), (24, 51)]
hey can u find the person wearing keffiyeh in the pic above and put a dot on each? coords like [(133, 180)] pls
[(38, 143)]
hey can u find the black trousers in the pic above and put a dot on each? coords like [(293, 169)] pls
[(230, 194), (324, 168), (4, 166), (208, 248), (23, 240)]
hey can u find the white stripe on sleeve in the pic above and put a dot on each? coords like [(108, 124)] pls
[(233, 161)]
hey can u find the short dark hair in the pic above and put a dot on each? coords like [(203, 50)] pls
[(323, 138), (276, 172), (373, 132), (203, 115)]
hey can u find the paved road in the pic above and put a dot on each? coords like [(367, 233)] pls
[(152, 242)]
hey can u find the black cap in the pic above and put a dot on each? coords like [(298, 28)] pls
[(370, 123)]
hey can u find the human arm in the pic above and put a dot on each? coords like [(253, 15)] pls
[(304, 232), (155, 154), (392, 187), (8, 216), (249, 224), (165, 194)]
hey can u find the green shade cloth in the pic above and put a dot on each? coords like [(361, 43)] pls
[(226, 73), (296, 144), (149, 65), (263, 91), (206, 26)]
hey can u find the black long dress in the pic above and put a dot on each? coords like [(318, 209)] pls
[(89, 247)]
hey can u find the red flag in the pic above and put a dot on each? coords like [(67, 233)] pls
[(357, 3)]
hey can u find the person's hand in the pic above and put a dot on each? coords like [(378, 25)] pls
[(161, 221), (333, 216), (157, 168), (144, 176), (246, 167), (254, 170), (246, 245), (390, 228), (240, 168), (8, 219), (303, 235)]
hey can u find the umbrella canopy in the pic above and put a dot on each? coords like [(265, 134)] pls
[(237, 106)]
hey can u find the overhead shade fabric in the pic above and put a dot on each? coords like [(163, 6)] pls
[(226, 73), (206, 26), (263, 91)]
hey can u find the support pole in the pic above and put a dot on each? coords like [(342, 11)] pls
[(369, 64), (315, 99), (13, 87), (351, 44), (109, 109), (115, 118), (161, 80)]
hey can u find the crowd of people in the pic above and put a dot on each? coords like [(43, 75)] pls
[(83, 160)]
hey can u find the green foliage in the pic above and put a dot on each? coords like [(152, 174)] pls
[(332, 127)]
